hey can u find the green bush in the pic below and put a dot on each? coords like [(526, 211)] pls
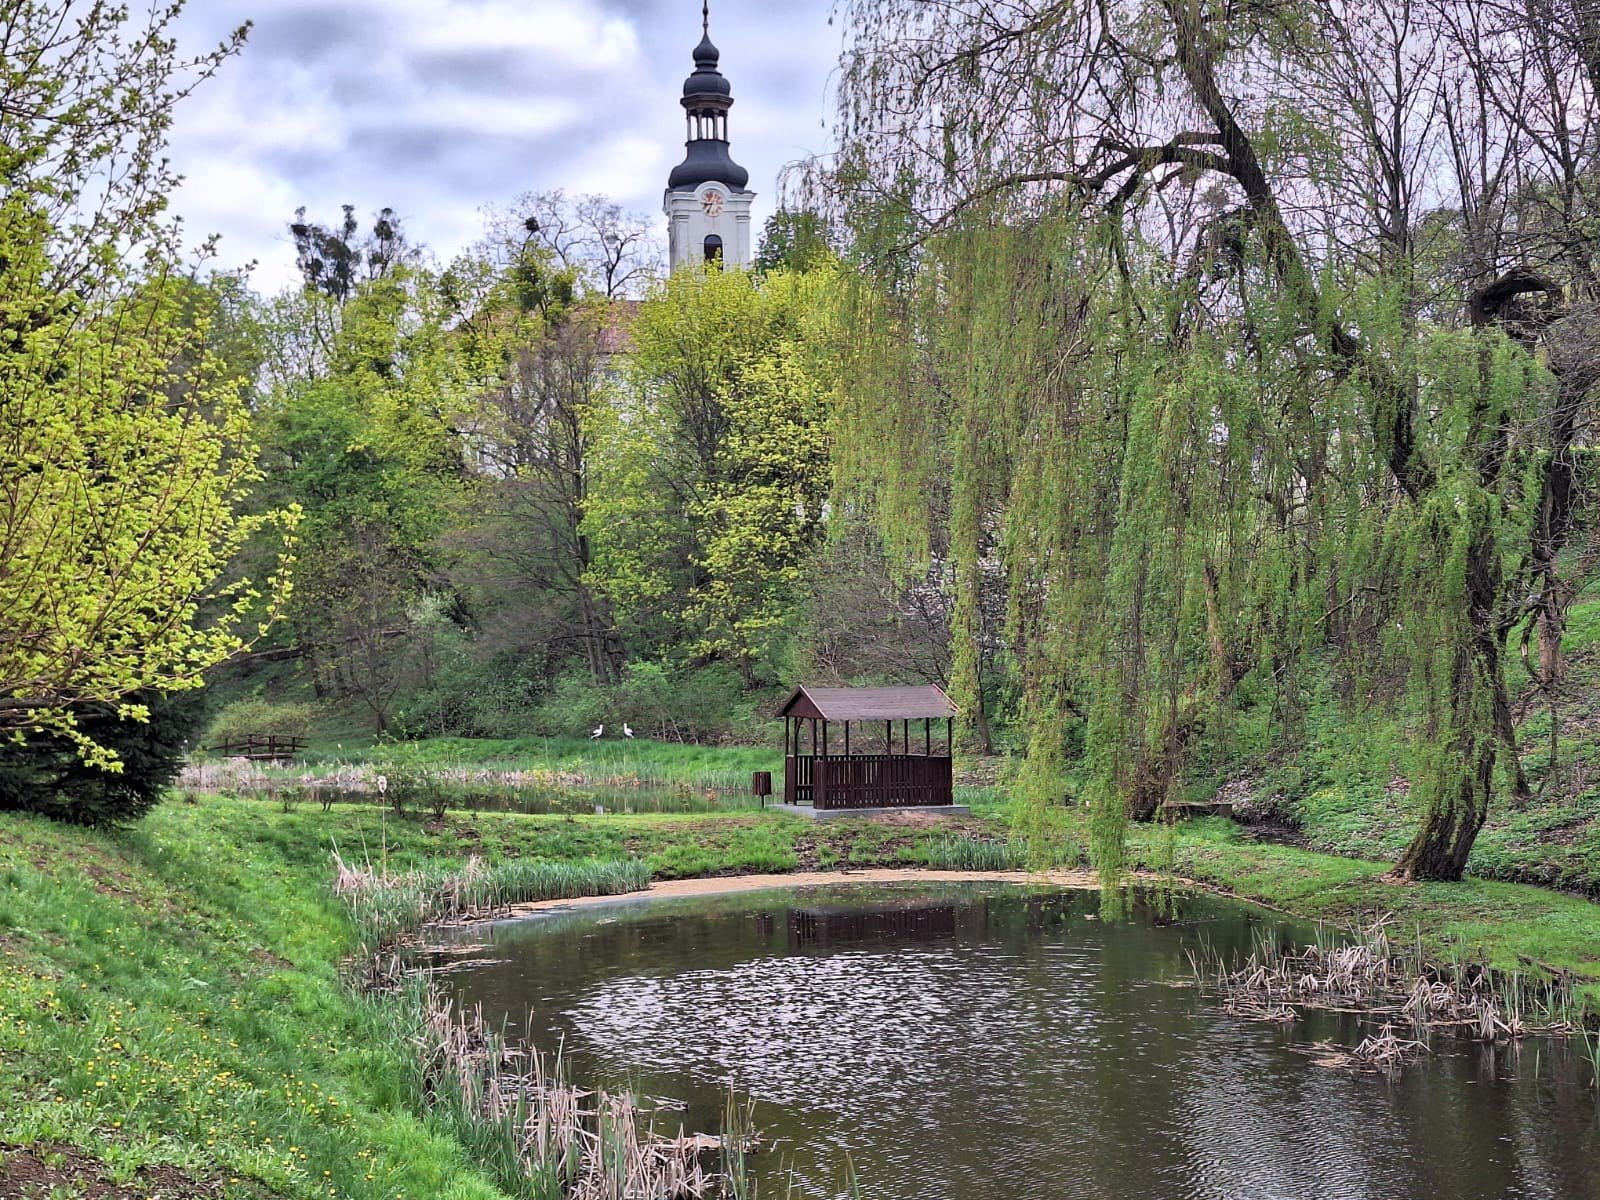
[(261, 717), (707, 701), (460, 689), (574, 705)]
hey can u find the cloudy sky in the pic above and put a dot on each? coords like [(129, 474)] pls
[(439, 107)]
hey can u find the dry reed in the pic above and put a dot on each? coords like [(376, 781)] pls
[(553, 1138), (1373, 977)]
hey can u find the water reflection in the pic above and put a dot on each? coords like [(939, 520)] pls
[(998, 1043)]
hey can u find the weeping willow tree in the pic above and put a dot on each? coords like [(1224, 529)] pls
[(1182, 361)]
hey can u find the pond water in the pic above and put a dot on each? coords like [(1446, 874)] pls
[(968, 1041)]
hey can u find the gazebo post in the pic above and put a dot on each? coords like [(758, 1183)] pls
[(824, 737), (949, 737), (927, 738), (847, 739), (888, 737)]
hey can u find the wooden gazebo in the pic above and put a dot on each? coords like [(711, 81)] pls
[(887, 766)]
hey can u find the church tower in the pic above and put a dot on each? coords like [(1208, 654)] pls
[(706, 202)]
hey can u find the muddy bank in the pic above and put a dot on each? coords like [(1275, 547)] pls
[(729, 884)]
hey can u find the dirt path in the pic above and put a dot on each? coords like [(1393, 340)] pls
[(724, 885)]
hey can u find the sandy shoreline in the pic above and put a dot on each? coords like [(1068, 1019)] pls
[(730, 884)]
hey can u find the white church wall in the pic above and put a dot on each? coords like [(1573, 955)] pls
[(711, 208)]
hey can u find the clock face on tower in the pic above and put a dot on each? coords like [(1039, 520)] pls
[(712, 203)]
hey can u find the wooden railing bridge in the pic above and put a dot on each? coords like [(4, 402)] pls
[(261, 747)]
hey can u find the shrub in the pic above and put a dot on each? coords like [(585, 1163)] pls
[(461, 691), (263, 717), (46, 775), (707, 699), (574, 705), (705, 704)]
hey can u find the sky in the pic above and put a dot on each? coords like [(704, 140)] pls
[(437, 108)]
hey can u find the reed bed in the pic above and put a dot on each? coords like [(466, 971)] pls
[(547, 1139), (435, 789), (387, 906), (958, 852), (1372, 976), (538, 1134)]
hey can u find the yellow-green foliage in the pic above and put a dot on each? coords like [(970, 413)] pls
[(711, 472), (242, 718), (124, 449)]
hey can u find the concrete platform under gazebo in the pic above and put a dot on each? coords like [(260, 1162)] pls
[(875, 772)]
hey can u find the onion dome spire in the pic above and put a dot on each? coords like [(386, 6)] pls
[(707, 97)]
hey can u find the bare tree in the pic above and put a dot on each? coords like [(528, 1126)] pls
[(606, 249), (866, 625)]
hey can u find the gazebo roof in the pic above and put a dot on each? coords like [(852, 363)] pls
[(868, 703)]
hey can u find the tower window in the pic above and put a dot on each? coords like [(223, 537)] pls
[(713, 246)]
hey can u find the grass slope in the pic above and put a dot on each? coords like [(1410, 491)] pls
[(1341, 781), (171, 996), (1511, 927)]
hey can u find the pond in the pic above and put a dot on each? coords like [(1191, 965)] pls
[(1005, 1043)]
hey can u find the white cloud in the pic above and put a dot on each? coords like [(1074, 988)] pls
[(439, 107)]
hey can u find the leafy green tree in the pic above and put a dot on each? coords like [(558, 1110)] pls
[(365, 436), (544, 344), (124, 450), (795, 240), (711, 472)]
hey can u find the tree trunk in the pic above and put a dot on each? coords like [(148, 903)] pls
[(1221, 657), (1459, 805), (980, 726), (1159, 766), (1442, 845), (602, 647), (1557, 507), (1506, 730)]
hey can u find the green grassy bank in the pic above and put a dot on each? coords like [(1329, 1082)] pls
[(171, 995)]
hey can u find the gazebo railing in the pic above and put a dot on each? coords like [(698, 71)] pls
[(868, 780)]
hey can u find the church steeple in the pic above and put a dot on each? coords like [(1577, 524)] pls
[(708, 179)]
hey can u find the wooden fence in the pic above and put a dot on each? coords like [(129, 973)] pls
[(868, 781)]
